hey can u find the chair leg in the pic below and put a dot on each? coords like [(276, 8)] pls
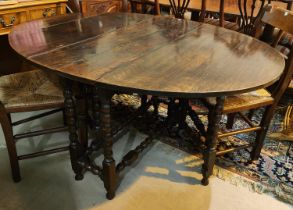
[(64, 117), (10, 143), (288, 150), (261, 134), (109, 166), (155, 105), (230, 120), (250, 114), (209, 153)]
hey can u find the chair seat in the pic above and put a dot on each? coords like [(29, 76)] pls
[(245, 101), (284, 50), (28, 91), (287, 40), (227, 24)]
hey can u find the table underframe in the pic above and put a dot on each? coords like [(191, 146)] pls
[(76, 105)]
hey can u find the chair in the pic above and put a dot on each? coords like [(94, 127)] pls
[(267, 98), (74, 6), (179, 8), (145, 6), (27, 92), (286, 135), (250, 13)]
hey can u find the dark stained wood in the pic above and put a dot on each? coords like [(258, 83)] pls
[(96, 116), (250, 13), (132, 155), (74, 5), (17, 137), (77, 29), (155, 52), (282, 19), (74, 146), (179, 8), (109, 166), (36, 117), (147, 55), (42, 153), (279, 17), (209, 154), (5, 120), (230, 6), (81, 110), (96, 7)]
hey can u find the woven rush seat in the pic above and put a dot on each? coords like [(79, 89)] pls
[(245, 101), (27, 90), (227, 24)]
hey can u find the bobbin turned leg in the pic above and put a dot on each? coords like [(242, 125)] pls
[(81, 109), (209, 154), (144, 101), (109, 166), (183, 104), (97, 143), (70, 112)]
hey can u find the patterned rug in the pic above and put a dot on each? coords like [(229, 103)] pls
[(272, 173)]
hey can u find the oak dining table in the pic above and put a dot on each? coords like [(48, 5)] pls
[(146, 55)]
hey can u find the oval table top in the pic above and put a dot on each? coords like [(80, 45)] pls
[(148, 54)]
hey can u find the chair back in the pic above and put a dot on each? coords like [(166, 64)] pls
[(282, 19), (179, 7), (250, 13), (74, 6), (143, 4)]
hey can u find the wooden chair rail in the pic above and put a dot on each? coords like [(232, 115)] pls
[(42, 153), (36, 117)]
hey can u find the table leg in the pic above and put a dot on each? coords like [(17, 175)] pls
[(171, 113), (70, 112), (183, 105), (81, 108), (109, 166), (156, 104), (209, 154), (96, 119), (143, 101)]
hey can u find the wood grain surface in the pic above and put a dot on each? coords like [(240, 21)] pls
[(149, 54)]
